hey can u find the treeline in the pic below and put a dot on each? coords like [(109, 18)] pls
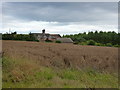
[(15, 36), (91, 38), (96, 38)]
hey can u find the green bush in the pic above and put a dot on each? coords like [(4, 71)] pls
[(116, 45), (48, 41), (36, 40), (58, 41), (109, 44), (103, 44), (83, 43), (80, 39), (76, 43), (98, 44), (91, 42)]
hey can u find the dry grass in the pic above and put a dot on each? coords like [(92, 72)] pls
[(35, 76), (64, 55), (45, 65)]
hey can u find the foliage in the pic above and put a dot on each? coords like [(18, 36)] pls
[(76, 43), (98, 44), (36, 40), (109, 44), (116, 45), (83, 43), (91, 42), (48, 40), (58, 41), (101, 38), (15, 36)]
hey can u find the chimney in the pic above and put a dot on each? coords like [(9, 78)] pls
[(43, 31)]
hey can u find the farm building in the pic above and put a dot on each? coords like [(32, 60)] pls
[(53, 37), (65, 40), (46, 36)]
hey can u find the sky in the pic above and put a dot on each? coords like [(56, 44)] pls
[(59, 17)]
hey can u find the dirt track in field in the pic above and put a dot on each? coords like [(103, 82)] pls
[(64, 55)]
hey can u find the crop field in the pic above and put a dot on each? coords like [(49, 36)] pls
[(40, 65)]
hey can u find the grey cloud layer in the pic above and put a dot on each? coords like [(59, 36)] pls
[(87, 13)]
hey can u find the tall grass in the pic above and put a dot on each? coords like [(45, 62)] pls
[(23, 73)]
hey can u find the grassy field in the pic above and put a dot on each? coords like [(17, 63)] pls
[(44, 65), (21, 74)]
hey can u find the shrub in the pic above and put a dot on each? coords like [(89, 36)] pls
[(48, 41), (103, 44), (36, 40), (80, 39), (116, 45), (76, 43), (91, 42), (83, 43), (98, 44), (109, 44), (58, 41)]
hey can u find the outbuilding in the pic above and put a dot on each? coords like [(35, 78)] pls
[(65, 40)]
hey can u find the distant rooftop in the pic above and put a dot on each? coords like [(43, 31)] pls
[(65, 40)]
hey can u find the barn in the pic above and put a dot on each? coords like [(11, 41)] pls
[(65, 40), (46, 36), (53, 37)]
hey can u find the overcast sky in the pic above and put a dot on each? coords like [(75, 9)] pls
[(59, 17)]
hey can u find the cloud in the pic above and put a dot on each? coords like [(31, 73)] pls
[(59, 17), (55, 27), (62, 12)]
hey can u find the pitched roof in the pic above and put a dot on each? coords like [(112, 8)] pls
[(65, 40), (47, 34), (55, 35)]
